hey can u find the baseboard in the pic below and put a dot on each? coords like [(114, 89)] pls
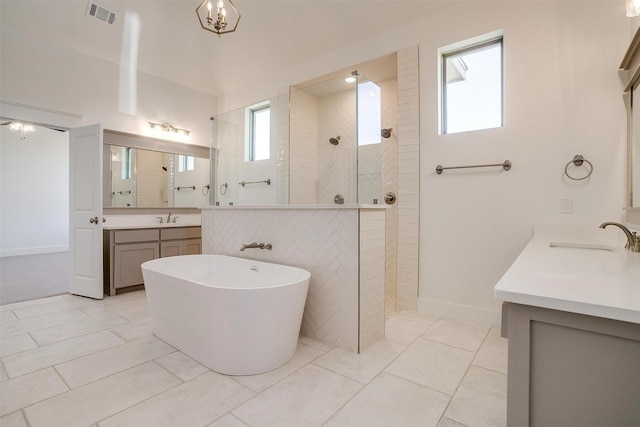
[(464, 313), (34, 251)]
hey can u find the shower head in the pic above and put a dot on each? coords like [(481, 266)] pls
[(334, 141), (386, 133)]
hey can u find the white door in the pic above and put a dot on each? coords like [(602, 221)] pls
[(85, 211)]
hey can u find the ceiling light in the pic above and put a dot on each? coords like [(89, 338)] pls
[(350, 79), (218, 21), (23, 128), (633, 8)]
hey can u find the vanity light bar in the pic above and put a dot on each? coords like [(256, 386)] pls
[(167, 127)]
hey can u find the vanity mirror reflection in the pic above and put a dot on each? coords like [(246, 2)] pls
[(631, 64), (142, 172)]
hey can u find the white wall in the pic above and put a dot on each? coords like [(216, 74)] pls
[(562, 97), (43, 74), (34, 192)]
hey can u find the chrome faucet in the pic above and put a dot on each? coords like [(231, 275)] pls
[(633, 241), (256, 245), (169, 218)]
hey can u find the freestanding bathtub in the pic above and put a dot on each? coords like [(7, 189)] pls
[(233, 315)]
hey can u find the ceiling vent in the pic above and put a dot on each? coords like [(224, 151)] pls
[(100, 12)]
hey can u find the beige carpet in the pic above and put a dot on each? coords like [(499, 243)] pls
[(27, 277)]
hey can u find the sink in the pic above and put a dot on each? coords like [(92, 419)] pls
[(592, 246)]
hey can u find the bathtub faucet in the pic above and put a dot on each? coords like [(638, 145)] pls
[(256, 245)]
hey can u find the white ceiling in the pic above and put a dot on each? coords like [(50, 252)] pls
[(271, 36)]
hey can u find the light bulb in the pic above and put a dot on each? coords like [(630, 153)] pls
[(220, 4), (209, 6)]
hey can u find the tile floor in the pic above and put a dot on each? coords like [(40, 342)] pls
[(73, 361)]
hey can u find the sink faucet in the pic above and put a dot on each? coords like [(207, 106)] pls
[(633, 241), (256, 245), (169, 218)]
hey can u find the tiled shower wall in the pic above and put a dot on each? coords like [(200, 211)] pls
[(342, 248), (389, 94), (408, 178), (304, 153)]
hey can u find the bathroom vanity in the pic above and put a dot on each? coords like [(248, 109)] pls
[(572, 316), (126, 247)]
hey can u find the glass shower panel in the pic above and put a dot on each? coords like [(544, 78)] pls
[(369, 141), (240, 177)]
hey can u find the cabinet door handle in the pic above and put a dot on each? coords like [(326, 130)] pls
[(94, 220)]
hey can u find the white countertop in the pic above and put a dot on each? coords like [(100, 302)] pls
[(126, 222), (587, 271), (299, 206)]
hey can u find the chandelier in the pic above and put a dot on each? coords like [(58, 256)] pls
[(217, 21)]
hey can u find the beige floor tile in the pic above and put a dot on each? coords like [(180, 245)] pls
[(15, 419), (432, 364), (101, 399), (42, 357), (54, 307), (16, 344), (468, 336), (405, 329), (307, 397), (411, 405), (71, 330), (361, 367), (481, 399), (134, 330), (92, 367), (446, 422), (260, 382), (7, 316), (315, 343), (181, 365), (227, 421), (3, 373), (31, 303), (18, 327), (493, 354), (117, 306), (194, 403), (29, 389)]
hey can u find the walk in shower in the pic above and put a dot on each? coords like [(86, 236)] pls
[(315, 144)]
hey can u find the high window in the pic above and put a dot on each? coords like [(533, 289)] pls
[(186, 163), (472, 86), (259, 132)]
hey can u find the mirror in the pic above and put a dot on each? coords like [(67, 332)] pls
[(631, 65), (634, 149), (169, 175)]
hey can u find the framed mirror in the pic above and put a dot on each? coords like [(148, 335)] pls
[(142, 172), (631, 62)]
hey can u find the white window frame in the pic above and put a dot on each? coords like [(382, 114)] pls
[(476, 43), (250, 148)]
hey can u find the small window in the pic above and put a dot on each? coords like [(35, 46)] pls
[(185, 163), (259, 147), (126, 163), (472, 87)]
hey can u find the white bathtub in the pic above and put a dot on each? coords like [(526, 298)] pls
[(233, 315)]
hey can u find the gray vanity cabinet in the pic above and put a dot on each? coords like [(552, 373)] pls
[(180, 241), (124, 250), (569, 369)]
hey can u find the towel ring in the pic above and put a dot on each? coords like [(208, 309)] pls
[(225, 186), (578, 160)]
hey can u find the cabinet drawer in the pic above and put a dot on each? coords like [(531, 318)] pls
[(130, 236), (180, 233)]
